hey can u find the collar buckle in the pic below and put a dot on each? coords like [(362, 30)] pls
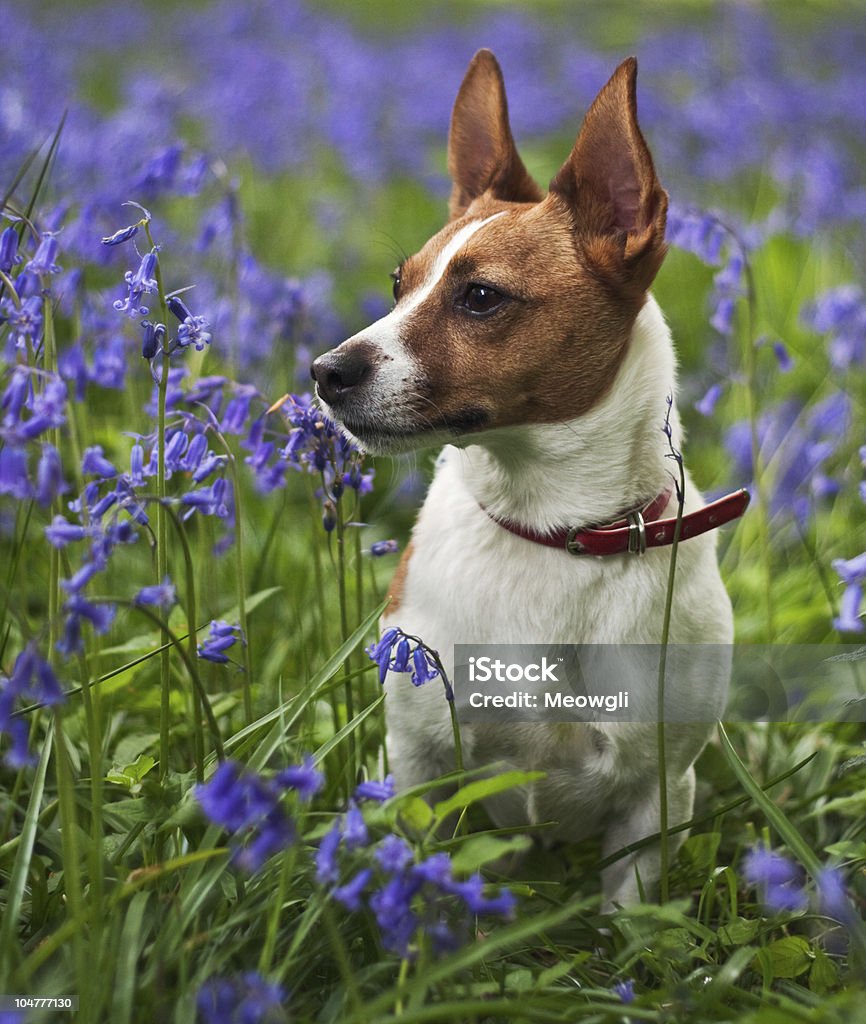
[(636, 533)]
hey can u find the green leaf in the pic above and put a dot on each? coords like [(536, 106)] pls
[(739, 931), (416, 814), (130, 775), (786, 829), (789, 957), (824, 974), (18, 879), (483, 788), (479, 850)]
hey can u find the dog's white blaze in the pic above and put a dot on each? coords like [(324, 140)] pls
[(385, 333)]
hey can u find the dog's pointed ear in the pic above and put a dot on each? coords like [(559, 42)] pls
[(482, 156), (617, 206)]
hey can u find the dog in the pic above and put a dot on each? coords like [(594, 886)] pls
[(524, 338)]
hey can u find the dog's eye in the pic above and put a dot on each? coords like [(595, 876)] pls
[(397, 277), (481, 299)]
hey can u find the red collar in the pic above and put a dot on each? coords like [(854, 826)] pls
[(636, 530)]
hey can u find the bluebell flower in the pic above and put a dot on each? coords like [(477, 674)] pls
[(401, 658), (122, 235), (304, 778), (61, 532), (94, 463), (152, 340), (24, 320), (840, 313), (394, 854), (233, 799), (32, 681), (222, 636), (273, 833), (327, 871), (18, 392), (100, 615), (162, 594), (706, 405), (49, 476), (783, 356), (139, 283), (350, 894), (833, 899), (13, 473), (9, 255), (849, 619), (625, 990), (384, 547), (44, 259), (354, 829), (372, 789), (779, 880), (249, 999), (425, 669)]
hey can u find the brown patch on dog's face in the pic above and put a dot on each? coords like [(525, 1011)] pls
[(546, 353)]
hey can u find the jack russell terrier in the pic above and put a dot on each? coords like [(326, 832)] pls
[(523, 336)]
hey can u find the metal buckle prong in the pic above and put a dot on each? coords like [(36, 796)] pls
[(636, 533), (572, 545)]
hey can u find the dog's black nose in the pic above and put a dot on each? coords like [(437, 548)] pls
[(340, 371)]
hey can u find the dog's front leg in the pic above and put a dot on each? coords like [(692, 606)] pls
[(623, 880)]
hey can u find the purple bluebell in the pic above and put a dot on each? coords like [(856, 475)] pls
[(384, 547), (14, 479), (248, 806), (61, 532), (24, 320), (706, 405), (833, 899), (350, 894), (248, 999), (18, 392), (327, 870), (394, 854), (424, 668), (472, 893), (372, 789), (100, 615), (222, 636), (304, 778), (50, 482), (162, 594), (401, 657), (625, 990), (275, 832), (355, 829), (122, 235), (152, 339), (9, 255), (778, 879), (44, 259), (140, 282), (94, 463), (783, 356)]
